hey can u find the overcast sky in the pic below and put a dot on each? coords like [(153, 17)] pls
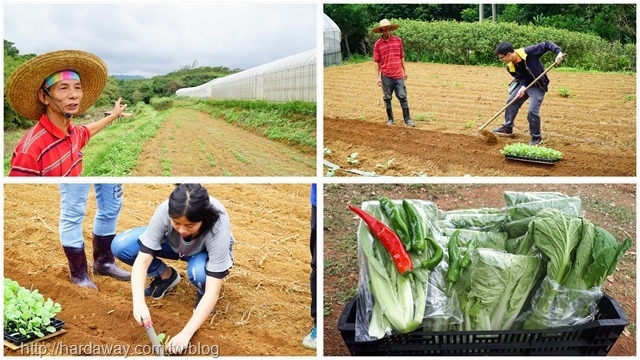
[(155, 39)]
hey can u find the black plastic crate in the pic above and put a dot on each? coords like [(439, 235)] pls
[(593, 338), (19, 339)]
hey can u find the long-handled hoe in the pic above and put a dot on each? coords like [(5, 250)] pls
[(491, 137)]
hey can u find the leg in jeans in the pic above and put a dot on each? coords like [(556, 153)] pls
[(387, 95), (73, 207), (537, 96), (511, 111), (109, 204), (401, 93), (125, 248), (196, 270)]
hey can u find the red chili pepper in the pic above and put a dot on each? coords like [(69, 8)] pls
[(388, 239)]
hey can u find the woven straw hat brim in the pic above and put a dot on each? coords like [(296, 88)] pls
[(379, 28), (23, 84)]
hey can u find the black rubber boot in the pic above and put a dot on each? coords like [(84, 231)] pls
[(103, 260), (407, 118), (78, 267), (389, 116)]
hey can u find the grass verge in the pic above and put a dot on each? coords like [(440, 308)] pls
[(293, 123)]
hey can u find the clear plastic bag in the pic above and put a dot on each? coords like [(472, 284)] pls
[(554, 306), (389, 302)]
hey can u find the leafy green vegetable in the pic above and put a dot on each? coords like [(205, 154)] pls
[(569, 205), (531, 152), (398, 300), (497, 287), (26, 312), (470, 219), (579, 257), (521, 212), (486, 239), (512, 198)]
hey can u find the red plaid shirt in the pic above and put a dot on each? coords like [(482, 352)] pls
[(389, 54), (47, 151)]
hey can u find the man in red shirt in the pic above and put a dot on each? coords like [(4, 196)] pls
[(388, 54), (51, 89)]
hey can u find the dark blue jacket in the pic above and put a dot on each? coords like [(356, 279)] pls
[(531, 56)]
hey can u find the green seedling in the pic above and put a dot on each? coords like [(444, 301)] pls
[(386, 165), (353, 158), (531, 152), (27, 312), (565, 92)]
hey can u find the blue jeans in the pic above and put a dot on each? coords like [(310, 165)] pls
[(73, 207), (389, 86), (125, 247), (533, 115)]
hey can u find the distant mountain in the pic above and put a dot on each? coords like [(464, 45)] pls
[(128, 77)]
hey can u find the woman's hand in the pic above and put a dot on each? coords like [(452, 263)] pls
[(177, 344), (142, 315)]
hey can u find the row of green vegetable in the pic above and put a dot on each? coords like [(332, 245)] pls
[(537, 263)]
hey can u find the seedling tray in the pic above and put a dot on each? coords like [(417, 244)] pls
[(531, 159), (18, 339), (593, 338)]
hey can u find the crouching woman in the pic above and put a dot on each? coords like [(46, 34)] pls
[(191, 226)]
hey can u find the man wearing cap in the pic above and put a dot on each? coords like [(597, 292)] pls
[(388, 54), (51, 89)]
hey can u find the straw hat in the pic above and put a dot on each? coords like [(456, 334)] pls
[(385, 23), (23, 84)]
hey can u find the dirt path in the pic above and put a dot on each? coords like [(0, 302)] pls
[(594, 127), (191, 143), (264, 309)]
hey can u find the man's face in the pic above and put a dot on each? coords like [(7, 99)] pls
[(386, 32), (67, 94), (507, 58)]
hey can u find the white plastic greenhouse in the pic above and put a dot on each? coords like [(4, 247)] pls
[(332, 36), (292, 78)]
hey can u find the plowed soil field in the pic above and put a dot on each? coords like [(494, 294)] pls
[(594, 127), (193, 143), (264, 304)]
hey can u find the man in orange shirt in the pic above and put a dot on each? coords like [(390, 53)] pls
[(388, 54)]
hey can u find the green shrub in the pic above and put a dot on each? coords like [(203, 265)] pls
[(453, 42), (159, 104)]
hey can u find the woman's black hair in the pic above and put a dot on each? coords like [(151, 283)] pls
[(192, 202)]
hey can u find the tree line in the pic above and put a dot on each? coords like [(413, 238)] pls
[(132, 91)]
